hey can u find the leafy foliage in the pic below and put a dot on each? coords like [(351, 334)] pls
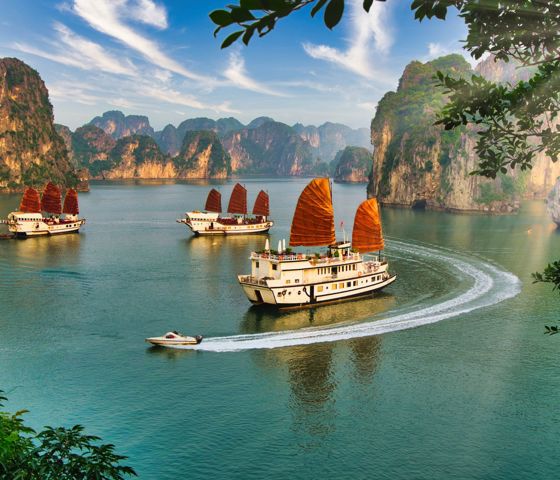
[(551, 274), (54, 453)]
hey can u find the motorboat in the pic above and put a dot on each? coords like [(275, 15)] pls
[(174, 338)]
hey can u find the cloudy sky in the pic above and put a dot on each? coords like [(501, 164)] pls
[(159, 58)]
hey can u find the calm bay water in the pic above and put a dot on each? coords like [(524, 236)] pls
[(472, 396)]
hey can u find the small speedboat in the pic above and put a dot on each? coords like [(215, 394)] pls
[(174, 338)]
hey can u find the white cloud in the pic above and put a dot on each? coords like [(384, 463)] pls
[(79, 52), (106, 16), (370, 32), (149, 12), (371, 106), (238, 76)]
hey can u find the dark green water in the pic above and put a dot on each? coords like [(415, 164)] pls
[(474, 395)]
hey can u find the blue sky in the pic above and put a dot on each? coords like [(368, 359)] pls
[(159, 58)]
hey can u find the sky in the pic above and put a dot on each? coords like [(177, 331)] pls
[(159, 58)]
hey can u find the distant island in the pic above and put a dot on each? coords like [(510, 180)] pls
[(414, 163)]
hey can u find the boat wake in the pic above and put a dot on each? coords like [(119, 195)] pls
[(487, 285)]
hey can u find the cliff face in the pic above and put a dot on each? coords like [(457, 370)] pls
[(91, 147), (138, 156), (554, 202), (272, 148), (116, 124), (417, 164), (170, 139), (329, 138), (202, 156), (31, 151), (352, 165)]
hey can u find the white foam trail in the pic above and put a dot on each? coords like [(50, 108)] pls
[(491, 285)]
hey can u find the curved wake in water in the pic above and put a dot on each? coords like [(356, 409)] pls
[(490, 285)]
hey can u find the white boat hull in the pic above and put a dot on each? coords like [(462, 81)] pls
[(28, 226), (202, 223), (287, 281)]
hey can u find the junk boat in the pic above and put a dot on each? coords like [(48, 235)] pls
[(287, 279), (29, 220), (210, 222), (174, 338)]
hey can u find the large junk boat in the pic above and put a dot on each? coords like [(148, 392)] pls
[(29, 220), (286, 279), (210, 221)]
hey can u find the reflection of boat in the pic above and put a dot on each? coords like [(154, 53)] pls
[(209, 222), (30, 221), (174, 338), (287, 279)]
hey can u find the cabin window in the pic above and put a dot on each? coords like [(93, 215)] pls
[(334, 286), (256, 264), (353, 267), (341, 285), (274, 266), (288, 282), (320, 288), (348, 284), (297, 280), (355, 283)]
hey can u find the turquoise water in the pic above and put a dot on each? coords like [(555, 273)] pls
[(473, 395)]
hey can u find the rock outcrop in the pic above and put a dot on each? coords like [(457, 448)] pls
[(116, 124), (417, 164), (91, 148), (329, 138), (31, 150), (202, 156), (273, 148), (138, 156), (352, 165), (554, 202)]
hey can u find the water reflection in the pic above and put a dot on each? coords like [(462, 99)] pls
[(260, 319), (365, 358)]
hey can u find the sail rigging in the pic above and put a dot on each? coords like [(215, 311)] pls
[(313, 222), (71, 202), (31, 201), (367, 235), (214, 201), (51, 200), (262, 206), (238, 200)]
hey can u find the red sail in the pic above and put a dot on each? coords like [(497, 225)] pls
[(238, 200), (262, 206), (214, 201), (71, 202), (31, 201), (367, 235), (313, 223), (51, 201)]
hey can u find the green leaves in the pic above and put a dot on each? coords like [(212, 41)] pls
[(55, 453), (231, 38), (333, 13), (551, 274)]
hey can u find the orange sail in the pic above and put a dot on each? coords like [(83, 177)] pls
[(214, 201), (313, 223), (367, 235), (262, 206), (71, 202), (31, 201), (238, 200), (51, 201)]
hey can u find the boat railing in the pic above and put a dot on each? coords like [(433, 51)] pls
[(300, 256), (253, 280)]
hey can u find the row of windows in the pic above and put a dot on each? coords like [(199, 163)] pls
[(354, 283)]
